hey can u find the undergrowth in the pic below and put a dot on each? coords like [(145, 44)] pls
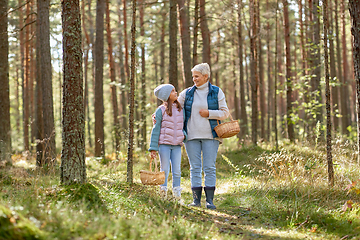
[(261, 193)]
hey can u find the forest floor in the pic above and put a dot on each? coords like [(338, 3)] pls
[(261, 193)]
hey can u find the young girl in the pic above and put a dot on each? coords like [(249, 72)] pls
[(167, 136)]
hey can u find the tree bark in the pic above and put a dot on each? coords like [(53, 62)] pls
[(243, 114), (43, 24), (333, 74), (5, 127), (327, 94), (114, 101), (262, 105), (346, 118), (99, 64), (73, 168), (26, 100), (143, 113), (289, 107), (86, 66), (173, 72), (39, 121), (126, 52), (269, 76), (131, 98), (122, 76), (195, 33), (254, 76), (185, 43), (354, 8), (276, 72), (205, 33)]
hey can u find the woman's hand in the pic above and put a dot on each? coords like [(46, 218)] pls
[(153, 154), (204, 113)]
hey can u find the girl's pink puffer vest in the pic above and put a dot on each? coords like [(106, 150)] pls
[(171, 131)]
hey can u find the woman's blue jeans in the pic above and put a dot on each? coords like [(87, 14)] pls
[(207, 148), (170, 155)]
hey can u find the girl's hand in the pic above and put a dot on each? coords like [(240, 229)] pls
[(153, 119), (204, 113), (153, 154)]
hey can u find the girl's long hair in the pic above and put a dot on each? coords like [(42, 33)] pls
[(168, 107)]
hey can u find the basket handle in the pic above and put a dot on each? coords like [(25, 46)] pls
[(155, 161), (230, 119)]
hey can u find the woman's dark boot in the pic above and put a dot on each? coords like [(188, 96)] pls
[(209, 192), (197, 191)]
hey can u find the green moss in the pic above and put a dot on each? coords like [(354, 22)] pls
[(15, 226), (87, 193)]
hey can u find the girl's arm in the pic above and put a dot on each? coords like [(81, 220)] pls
[(155, 132)]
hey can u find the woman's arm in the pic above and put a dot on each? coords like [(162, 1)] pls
[(223, 111), (181, 98)]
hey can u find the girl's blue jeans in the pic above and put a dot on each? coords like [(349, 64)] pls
[(170, 155), (202, 157)]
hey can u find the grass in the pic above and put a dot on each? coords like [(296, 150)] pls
[(261, 193)]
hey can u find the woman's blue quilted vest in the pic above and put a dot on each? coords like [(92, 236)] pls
[(213, 104)]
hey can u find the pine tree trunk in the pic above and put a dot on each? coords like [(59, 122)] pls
[(334, 89), (162, 50), (185, 43), (126, 42), (280, 75), (131, 98), (87, 49), (269, 76), (26, 101), (99, 64), (173, 72), (143, 112), (328, 97), (73, 168), (243, 114), (205, 33), (261, 76), (316, 61), (303, 70), (253, 68), (114, 101), (39, 121), (345, 84), (276, 74), (354, 7), (289, 107), (43, 24), (123, 91), (5, 127), (22, 56), (195, 33)]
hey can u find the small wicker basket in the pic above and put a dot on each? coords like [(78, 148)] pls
[(152, 178), (227, 129)]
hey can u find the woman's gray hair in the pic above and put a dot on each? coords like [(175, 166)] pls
[(203, 68)]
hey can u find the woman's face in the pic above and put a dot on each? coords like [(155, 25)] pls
[(199, 79), (173, 95)]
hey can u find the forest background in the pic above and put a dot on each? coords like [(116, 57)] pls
[(76, 87), (267, 56)]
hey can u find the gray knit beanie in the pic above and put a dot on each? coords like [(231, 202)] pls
[(163, 91)]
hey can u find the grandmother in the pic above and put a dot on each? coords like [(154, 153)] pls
[(203, 104)]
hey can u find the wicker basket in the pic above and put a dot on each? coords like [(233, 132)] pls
[(227, 129), (152, 178)]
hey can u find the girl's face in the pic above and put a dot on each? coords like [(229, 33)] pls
[(173, 95), (199, 79)]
